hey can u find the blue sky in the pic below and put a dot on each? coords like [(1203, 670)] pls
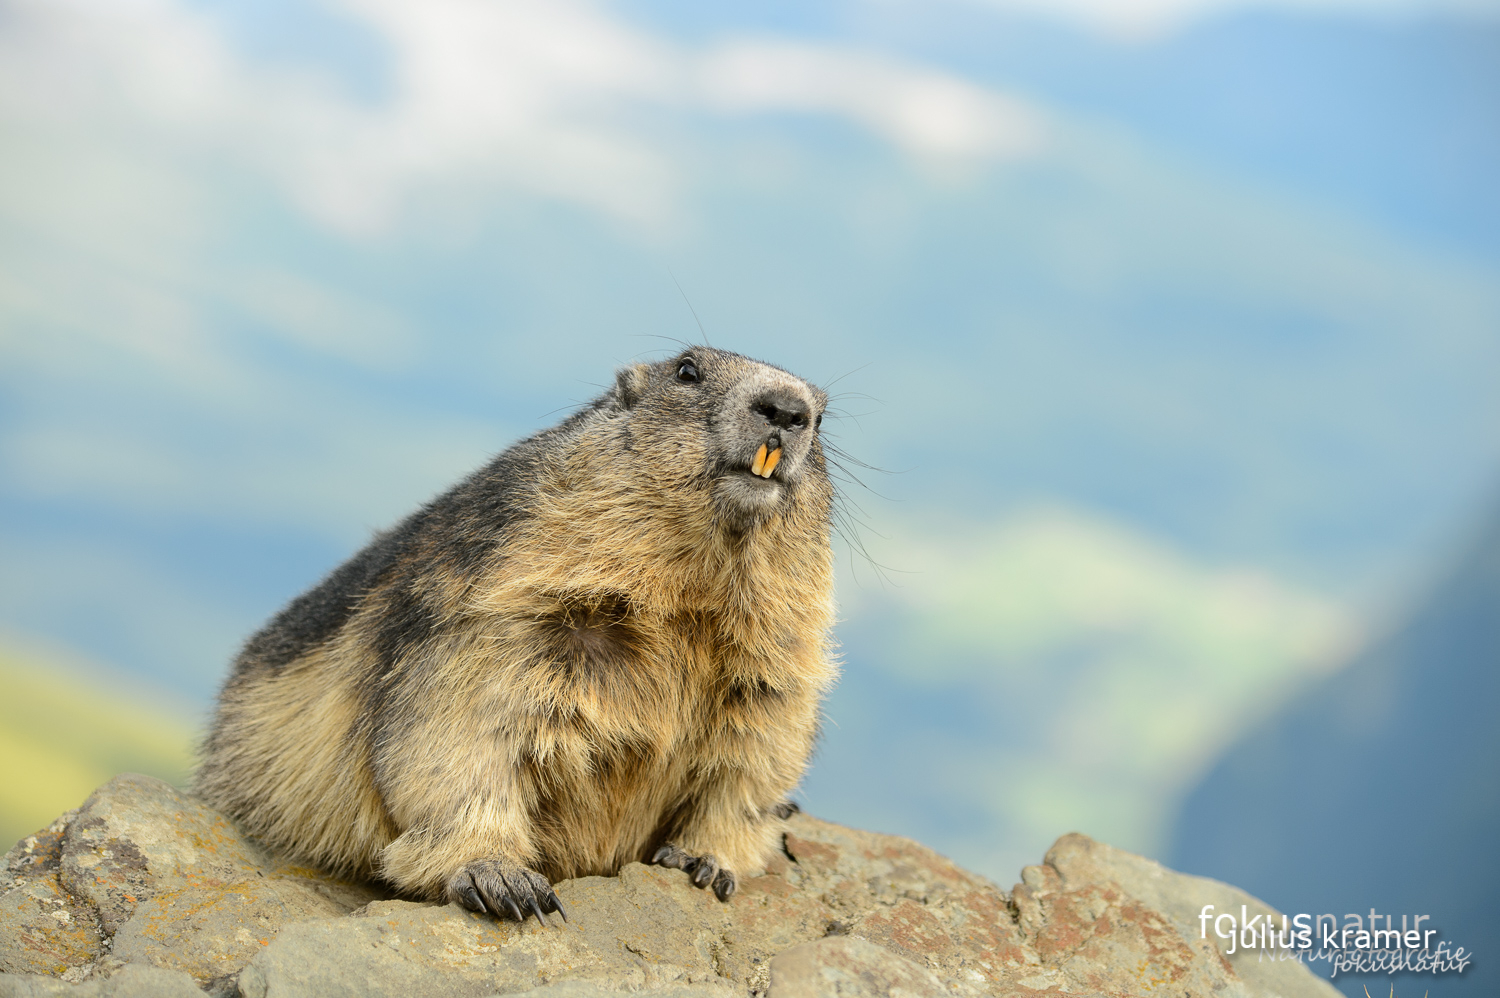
[(1199, 297)]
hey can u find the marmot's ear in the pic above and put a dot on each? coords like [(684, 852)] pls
[(630, 384)]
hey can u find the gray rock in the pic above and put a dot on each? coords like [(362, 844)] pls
[(842, 965), (43, 929), (596, 989), (137, 836), (154, 882), (134, 981), (1104, 920), (35, 855), (168, 881), (645, 929), (211, 932)]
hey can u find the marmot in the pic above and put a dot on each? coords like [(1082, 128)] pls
[(610, 644)]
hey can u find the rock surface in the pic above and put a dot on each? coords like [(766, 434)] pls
[(144, 890), (846, 965)]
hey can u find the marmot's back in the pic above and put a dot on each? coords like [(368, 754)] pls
[(607, 645)]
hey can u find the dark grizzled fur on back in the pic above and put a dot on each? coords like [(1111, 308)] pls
[(607, 645), (468, 519)]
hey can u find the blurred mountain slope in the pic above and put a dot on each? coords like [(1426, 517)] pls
[(1379, 788), (66, 728), (1051, 670)]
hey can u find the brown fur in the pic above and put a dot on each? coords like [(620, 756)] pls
[(608, 645)]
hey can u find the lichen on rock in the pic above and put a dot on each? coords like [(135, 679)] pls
[(144, 889)]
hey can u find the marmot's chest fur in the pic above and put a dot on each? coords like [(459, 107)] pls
[(610, 644)]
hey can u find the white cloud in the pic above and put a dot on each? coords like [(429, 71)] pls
[(274, 450), (513, 95), (1152, 18), (555, 98), (928, 113), (327, 321)]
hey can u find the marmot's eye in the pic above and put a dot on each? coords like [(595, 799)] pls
[(687, 372)]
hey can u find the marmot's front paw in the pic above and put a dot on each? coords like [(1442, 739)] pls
[(504, 889), (704, 869)]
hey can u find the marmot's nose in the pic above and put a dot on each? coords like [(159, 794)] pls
[(782, 408)]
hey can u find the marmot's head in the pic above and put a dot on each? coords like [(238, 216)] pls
[(746, 431)]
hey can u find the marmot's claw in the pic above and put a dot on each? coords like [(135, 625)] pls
[(702, 870), (467, 896), (671, 856), (503, 889), (555, 904)]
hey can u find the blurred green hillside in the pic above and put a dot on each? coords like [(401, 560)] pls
[(66, 727), (1053, 670)]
